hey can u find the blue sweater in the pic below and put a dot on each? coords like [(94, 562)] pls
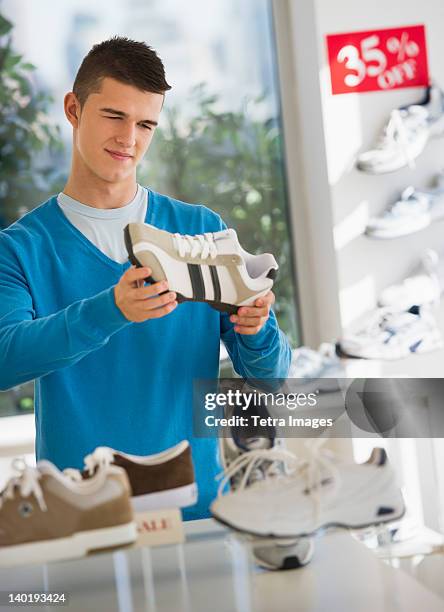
[(100, 379)]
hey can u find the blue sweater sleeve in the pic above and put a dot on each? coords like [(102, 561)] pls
[(31, 347), (266, 354)]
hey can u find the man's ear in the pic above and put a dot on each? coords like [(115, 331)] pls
[(72, 109)]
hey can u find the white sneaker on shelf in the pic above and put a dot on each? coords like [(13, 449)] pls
[(317, 370), (414, 211), (406, 134), (403, 140), (418, 290), (421, 288), (319, 493), (433, 102), (393, 335), (409, 214)]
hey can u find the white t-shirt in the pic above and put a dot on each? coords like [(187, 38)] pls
[(104, 227)]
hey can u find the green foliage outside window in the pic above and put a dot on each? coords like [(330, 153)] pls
[(28, 139)]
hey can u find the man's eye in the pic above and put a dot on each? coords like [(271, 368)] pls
[(147, 127), (113, 117)]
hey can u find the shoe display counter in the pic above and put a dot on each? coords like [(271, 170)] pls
[(214, 571)]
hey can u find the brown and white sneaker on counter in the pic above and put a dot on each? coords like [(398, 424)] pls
[(160, 481), (46, 516)]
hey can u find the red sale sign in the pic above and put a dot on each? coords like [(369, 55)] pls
[(378, 60)]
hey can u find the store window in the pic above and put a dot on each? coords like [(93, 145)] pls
[(219, 141)]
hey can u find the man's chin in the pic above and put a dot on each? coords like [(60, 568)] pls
[(116, 176)]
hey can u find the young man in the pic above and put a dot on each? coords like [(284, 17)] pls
[(113, 360)]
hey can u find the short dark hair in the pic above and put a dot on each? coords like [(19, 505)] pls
[(123, 59)]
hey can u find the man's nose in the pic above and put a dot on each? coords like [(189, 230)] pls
[(126, 136)]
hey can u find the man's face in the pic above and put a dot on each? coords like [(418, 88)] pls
[(119, 120)]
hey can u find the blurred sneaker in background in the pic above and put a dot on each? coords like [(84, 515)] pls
[(403, 140), (393, 335), (422, 288), (317, 370), (406, 134), (414, 211), (433, 102)]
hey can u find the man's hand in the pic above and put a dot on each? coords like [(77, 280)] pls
[(251, 319), (139, 303)]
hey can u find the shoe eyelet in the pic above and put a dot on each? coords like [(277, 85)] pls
[(25, 509)]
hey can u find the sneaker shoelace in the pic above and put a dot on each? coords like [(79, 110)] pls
[(410, 201), (315, 471), (101, 457), (400, 127), (201, 245), (26, 482)]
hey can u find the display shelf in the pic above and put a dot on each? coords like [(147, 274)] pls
[(214, 570)]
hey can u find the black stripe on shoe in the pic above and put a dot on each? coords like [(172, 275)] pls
[(197, 282), (216, 283)]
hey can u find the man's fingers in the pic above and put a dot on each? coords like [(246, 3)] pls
[(142, 293), (251, 312), (133, 275), (266, 300), (250, 321), (164, 310), (155, 302)]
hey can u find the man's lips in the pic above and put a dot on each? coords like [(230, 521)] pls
[(119, 156)]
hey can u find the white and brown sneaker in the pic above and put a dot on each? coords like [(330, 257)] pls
[(46, 516), (211, 267), (160, 481)]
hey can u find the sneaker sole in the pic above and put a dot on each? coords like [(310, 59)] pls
[(292, 558), (422, 346), (180, 497), (73, 547), (396, 515)]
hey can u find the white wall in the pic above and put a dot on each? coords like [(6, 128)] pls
[(351, 123)]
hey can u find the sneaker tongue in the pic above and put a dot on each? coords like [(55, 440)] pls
[(227, 242), (257, 443)]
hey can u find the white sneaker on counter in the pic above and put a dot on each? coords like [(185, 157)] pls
[(319, 493), (278, 554)]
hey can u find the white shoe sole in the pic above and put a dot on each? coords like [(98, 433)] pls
[(73, 547), (284, 557), (425, 345), (180, 497), (355, 516)]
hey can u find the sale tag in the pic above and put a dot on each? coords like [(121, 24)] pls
[(378, 60), (159, 527)]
